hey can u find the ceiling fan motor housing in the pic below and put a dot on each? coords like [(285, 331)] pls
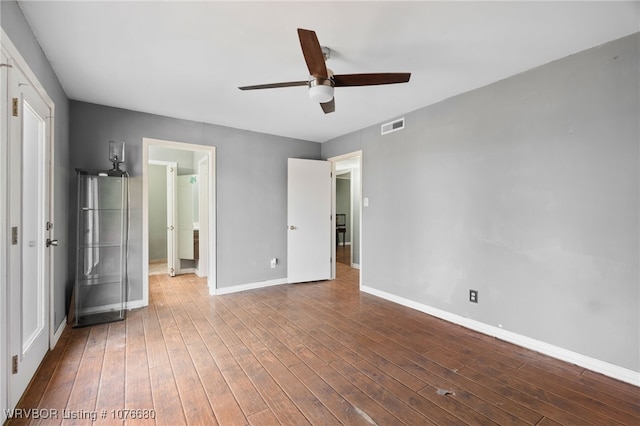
[(321, 89)]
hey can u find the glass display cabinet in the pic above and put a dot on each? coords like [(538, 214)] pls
[(102, 243)]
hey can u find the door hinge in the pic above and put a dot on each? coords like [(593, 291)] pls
[(14, 364), (171, 169), (14, 235), (15, 107)]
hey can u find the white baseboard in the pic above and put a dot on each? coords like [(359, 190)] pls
[(134, 304), (58, 333), (250, 286), (602, 367), (355, 265)]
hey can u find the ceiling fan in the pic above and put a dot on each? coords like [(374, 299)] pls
[(322, 80)]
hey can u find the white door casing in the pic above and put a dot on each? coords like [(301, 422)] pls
[(309, 220), (29, 182), (203, 205)]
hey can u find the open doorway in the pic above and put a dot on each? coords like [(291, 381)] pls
[(175, 207), (178, 210), (347, 202), (344, 217)]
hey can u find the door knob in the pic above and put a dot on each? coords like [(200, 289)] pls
[(292, 228), (52, 243)]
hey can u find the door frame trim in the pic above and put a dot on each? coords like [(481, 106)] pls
[(211, 151), (205, 221)]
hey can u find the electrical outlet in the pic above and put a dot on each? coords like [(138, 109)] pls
[(473, 296), (274, 262)]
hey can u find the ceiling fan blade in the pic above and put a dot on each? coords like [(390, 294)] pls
[(330, 106), (312, 53), (344, 80), (275, 85)]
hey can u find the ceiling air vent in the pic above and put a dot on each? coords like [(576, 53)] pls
[(392, 127)]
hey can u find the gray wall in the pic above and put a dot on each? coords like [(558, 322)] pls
[(251, 176), (157, 212), (16, 27), (526, 190)]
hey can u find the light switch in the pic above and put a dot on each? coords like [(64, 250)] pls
[(365, 201)]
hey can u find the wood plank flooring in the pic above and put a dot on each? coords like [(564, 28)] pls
[(318, 353), (343, 254)]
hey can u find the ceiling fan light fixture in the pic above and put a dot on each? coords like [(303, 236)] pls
[(321, 90), (322, 80)]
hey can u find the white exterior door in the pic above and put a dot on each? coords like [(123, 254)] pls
[(30, 212), (309, 220)]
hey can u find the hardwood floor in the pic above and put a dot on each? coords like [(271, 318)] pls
[(318, 353), (343, 254), (157, 267)]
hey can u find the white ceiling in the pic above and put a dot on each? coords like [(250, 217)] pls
[(186, 59)]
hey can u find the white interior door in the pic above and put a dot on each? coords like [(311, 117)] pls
[(309, 220), (4, 118), (185, 216), (30, 183), (172, 251)]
